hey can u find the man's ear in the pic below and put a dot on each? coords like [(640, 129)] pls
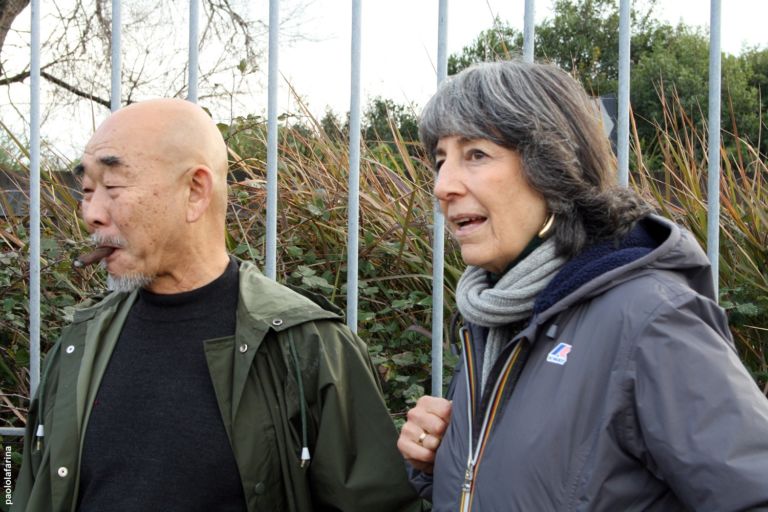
[(200, 182)]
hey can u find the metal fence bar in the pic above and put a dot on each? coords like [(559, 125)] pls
[(116, 65), (274, 33), (622, 130), (194, 29), (528, 30), (438, 243), (34, 203), (713, 177), (354, 169), (354, 154)]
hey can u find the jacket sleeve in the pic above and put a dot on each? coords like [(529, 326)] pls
[(26, 477), (420, 481), (356, 465), (32, 488), (703, 420)]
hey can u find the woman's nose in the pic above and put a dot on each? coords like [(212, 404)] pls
[(448, 181)]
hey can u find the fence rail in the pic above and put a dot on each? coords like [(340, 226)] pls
[(354, 149)]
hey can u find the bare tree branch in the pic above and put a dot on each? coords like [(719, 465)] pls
[(77, 47), (20, 77), (74, 90)]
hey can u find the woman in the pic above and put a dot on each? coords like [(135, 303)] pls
[(598, 372)]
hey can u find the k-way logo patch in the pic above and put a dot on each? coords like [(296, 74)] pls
[(559, 354)]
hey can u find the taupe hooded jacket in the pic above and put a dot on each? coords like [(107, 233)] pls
[(625, 395)]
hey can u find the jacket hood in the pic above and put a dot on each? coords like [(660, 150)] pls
[(260, 298), (277, 306), (664, 246), (91, 306)]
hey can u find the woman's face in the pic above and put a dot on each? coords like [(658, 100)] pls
[(490, 209)]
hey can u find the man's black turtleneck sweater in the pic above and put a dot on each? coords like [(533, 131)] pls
[(155, 440)]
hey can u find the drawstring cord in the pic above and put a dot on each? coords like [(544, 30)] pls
[(40, 431), (302, 404)]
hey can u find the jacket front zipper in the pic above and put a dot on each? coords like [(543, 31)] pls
[(476, 452)]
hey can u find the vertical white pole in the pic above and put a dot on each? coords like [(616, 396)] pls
[(274, 26), (34, 204), (528, 31), (622, 130), (354, 169), (194, 28), (713, 178), (438, 244), (116, 28)]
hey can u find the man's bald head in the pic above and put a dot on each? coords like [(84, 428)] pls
[(173, 129)]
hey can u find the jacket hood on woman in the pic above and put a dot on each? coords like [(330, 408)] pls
[(624, 392)]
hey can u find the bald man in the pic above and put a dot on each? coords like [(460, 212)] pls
[(197, 384)]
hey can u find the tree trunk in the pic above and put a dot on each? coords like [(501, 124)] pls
[(9, 9)]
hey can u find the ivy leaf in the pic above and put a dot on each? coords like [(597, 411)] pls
[(404, 359), (747, 309), (317, 282)]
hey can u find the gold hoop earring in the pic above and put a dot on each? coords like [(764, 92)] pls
[(544, 231)]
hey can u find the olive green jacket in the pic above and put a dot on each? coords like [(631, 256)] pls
[(354, 463)]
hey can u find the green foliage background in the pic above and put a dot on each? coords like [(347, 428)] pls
[(668, 166), (669, 65)]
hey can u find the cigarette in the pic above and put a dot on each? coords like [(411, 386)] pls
[(92, 257)]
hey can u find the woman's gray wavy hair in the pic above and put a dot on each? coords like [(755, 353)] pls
[(544, 114)]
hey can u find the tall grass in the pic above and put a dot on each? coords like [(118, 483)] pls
[(676, 177), (395, 254), (62, 286)]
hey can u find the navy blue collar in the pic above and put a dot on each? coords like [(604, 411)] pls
[(593, 262)]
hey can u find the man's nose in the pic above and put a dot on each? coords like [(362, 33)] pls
[(94, 209)]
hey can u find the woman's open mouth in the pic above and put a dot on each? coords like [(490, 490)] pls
[(466, 224)]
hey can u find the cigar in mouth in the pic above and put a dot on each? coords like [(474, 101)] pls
[(92, 257)]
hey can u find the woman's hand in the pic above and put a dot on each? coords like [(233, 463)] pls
[(423, 432)]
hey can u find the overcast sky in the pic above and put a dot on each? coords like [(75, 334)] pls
[(399, 42), (399, 46)]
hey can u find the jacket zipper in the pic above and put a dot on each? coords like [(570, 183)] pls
[(476, 452)]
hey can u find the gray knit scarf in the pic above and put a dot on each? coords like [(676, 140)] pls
[(509, 300)]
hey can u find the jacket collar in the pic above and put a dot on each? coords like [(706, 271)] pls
[(269, 305), (677, 250), (263, 304)]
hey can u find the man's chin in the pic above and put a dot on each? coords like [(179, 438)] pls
[(128, 282)]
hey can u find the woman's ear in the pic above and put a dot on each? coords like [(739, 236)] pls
[(200, 192)]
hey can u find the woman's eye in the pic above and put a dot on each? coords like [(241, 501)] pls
[(438, 165), (476, 154)]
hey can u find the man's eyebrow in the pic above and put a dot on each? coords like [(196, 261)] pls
[(111, 161), (108, 161)]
